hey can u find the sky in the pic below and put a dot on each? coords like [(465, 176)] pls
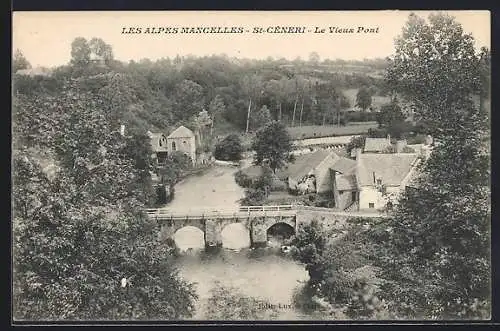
[(45, 37)]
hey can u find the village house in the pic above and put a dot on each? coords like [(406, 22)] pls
[(310, 173), (158, 147), (375, 181), (377, 145), (182, 139)]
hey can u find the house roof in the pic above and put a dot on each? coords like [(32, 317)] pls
[(391, 168), (303, 164), (346, 182), (155, 142), (181, 132), (344, 165), (376, 144)]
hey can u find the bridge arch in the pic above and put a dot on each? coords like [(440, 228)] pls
[(189, 237), (235, 236), (279, 232)]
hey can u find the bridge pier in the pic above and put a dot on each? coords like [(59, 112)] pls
[(213, 237), (258, 234)]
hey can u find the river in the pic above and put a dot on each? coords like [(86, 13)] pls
[(237, 282), (259, 281)]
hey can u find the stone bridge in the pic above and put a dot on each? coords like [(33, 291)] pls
[(257, 219)]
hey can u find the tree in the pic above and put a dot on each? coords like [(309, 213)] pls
[(229, 149), (391, 116), (363, 98), (201, 122), (261, 118), (19, 62), (216, 108), (441, 228), (436, 67), (101, 49), (80, 52), (189, 99), (252, 89), (83, 248), (272, 145), (314, 58), (356, 142)]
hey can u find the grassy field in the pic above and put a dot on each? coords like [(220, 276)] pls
[(317, 131)]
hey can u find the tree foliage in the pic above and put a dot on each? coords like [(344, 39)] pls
[(19, 62), (438, 265), (364, 98), (78, 228), (272, 145), (389, 114), (80, 52), (229, 148), (436, 67)]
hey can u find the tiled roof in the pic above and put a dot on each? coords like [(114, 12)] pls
[(391, 168), (376, 144), (303, 164), (344, 165), (346, 182), (181, 132)]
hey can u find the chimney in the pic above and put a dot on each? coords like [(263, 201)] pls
[(428, 140), (374, 178), (389, 138), (358, 153), (122, 130)]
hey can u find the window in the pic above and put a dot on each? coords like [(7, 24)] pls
[(371, 205), (173, 146), (353, 196)]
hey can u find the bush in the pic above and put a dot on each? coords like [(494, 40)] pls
[(254, 197), (229, 149), (325, 200), (242, 179)]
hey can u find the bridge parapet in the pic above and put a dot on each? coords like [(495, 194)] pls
[(251, 211)]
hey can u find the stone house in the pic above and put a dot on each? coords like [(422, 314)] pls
[(182, 139), (375, 180), (158, 147), (310, 173)]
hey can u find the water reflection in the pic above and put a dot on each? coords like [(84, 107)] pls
[(189, 238), (265, 277), (235, 236)]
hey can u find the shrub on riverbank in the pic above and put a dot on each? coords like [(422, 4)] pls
[(336, 268), (229, 304)]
